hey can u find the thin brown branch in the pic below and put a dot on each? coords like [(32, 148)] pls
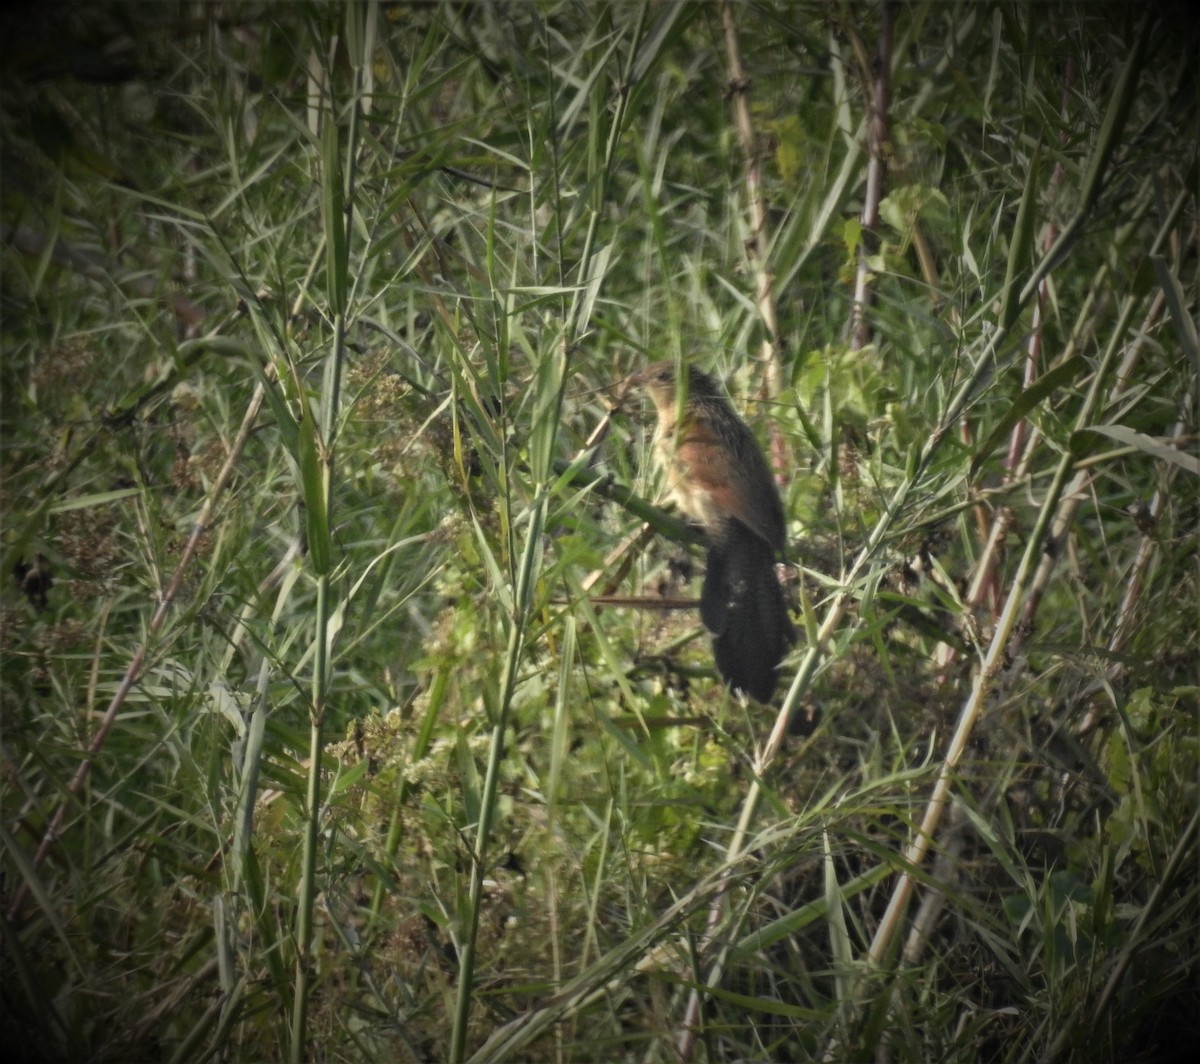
[(758, 244), (878, 150), (134, 669), (1015, 622)]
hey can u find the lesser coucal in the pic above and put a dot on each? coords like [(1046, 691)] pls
[(719, 478)]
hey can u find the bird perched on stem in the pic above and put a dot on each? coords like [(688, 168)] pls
[(718, 477)]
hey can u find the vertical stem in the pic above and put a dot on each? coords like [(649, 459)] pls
[(877, 140), (312, 811), (487, 800), (758, 247), (337, 172)]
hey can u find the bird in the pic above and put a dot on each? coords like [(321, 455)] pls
[(718, 477)]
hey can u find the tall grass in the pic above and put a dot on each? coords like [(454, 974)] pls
[(343, 713)]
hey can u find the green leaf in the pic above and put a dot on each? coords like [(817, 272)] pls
[(312, 486), (1044, 386), (333, 215), (84, 502), (1021, 246), (1142, 442), (1177, 303)]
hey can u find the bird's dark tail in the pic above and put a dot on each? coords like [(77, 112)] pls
[(743, 606)]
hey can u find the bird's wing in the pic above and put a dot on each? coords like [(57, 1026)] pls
[(728, 477)]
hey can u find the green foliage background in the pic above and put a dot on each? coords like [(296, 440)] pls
[(393, 782)]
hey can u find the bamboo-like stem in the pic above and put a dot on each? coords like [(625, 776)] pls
[(1015, 299), (312, 820), (833, 618), (1141, 562), (543, 465), (992, 665), (1034, 345), (758, 245), (337, 205), (1032, 577), (1076, 492), (758, 250), (487, 799), (1024, 440), (878, 149)]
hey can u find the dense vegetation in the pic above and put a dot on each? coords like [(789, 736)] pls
[(343, 715)]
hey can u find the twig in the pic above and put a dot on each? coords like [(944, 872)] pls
[(878, 151), (758, 245)]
